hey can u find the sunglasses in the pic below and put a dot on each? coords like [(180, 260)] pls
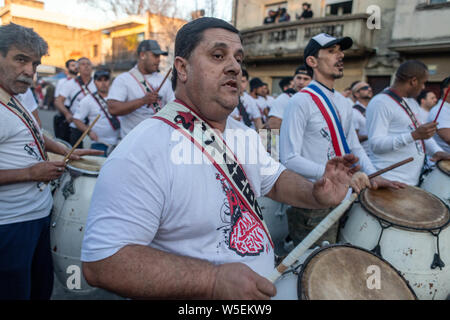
[(364, 88)]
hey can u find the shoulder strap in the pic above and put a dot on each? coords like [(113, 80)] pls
[(402, 103), (14, 105), (200, 133), (361, 109), (145, 86), (243, 112), (113, 120)]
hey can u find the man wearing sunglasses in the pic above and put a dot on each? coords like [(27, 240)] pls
[(363, 93)]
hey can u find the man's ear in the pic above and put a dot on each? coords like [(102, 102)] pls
[(311, 61), (181, 66)]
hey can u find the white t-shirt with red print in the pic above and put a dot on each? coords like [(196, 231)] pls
[(157, 189)]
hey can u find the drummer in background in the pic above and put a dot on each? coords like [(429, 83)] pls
[(160, 229), (133, 94), (307, 141), (277, 110), (60, 124), (362, 92), (426, 100), (395, 130), (105, 133), (247, 111), (26, 270), (302, 78), (442, 136), (74, 91)]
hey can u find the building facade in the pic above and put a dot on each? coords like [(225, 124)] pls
[(112, 44), (385, 33)]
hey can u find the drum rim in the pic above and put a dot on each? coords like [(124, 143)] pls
[(399, 226), (440, 169), (85, 171), (342, 245)]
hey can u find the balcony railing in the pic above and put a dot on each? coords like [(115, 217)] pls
[(289, 39)]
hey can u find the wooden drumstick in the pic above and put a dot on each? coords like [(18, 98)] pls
[(442, 104), (162, 83), (323, 227), (165, 78), (66, 158)]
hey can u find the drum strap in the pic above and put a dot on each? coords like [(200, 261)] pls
[(402, 103), (180, 117), (14, 105), (145, 86), (113, 120)]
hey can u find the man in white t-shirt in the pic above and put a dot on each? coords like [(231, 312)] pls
[(74, 91), (247, 111), (362, 92), (442, 136), (256, 94), (310, 137), (133, 95), (302, 78), (395, 130), (164, 225), (105, 133), (60, 125), (26, 270)]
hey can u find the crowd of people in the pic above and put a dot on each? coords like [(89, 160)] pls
[(161, 228), (281, 15)]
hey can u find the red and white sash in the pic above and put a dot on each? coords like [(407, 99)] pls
[(331, 117), (199, 132), (12, 104)]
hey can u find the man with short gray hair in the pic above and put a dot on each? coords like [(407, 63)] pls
[(26, 270)]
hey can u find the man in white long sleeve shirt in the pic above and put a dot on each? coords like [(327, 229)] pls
[(395, 133), (307, 141)]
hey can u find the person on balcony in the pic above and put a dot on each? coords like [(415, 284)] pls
[(271, 18), (284, 16), (307, 12)]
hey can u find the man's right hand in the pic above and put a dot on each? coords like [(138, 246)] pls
[(46, 171), (236, 281), (150, 98), (425, 131)]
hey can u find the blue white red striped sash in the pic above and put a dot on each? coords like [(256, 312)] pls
[(325, 106)]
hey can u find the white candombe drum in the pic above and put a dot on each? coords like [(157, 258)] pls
[(274, 214), (408, 217), (70, 209), (437, 182), (341, 272)]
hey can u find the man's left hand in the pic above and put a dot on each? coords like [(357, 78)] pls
[(440, 156), (380, 182), (78, 153), (332, 188)]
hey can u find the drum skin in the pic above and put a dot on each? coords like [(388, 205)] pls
[(70, 209), (342, 272), (437, 182), (411, 252)]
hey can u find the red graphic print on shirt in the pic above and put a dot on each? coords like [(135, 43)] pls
[(244, 234)]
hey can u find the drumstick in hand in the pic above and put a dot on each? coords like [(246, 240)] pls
[(323, 227), (160, 86), (442, 104), (66, 158)]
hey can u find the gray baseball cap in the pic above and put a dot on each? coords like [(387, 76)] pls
[(151, 45)]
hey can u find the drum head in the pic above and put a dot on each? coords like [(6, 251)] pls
[(344, 272), (410, 208), (55, 157), (444, 166), (87, 164)]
